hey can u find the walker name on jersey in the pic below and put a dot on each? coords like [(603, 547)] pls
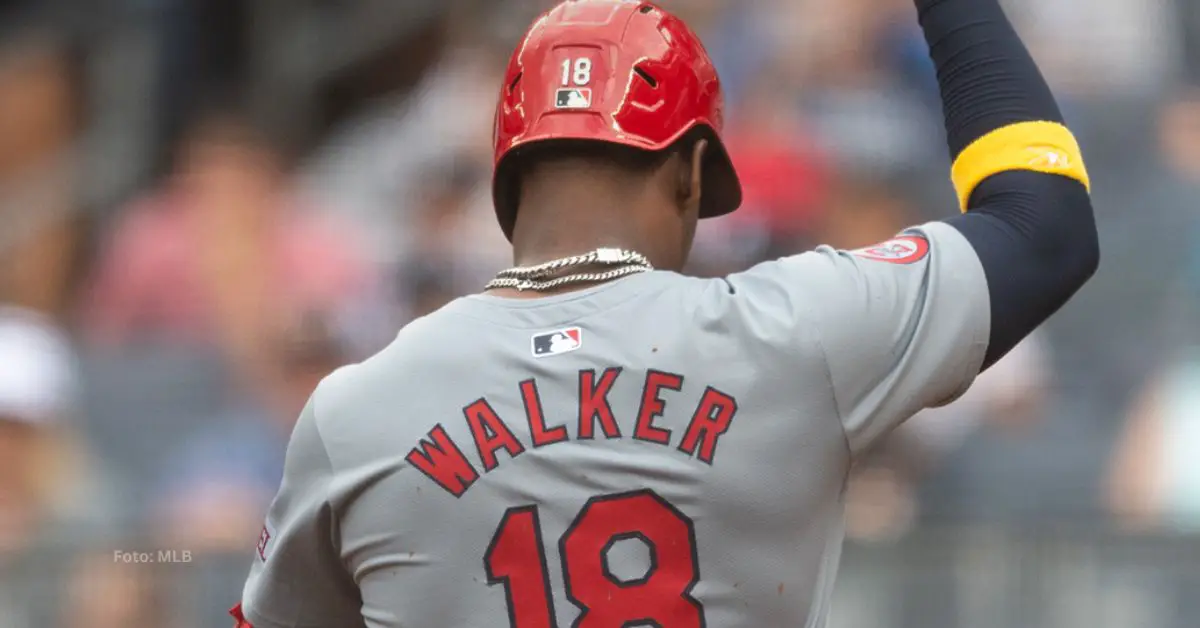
[(442, 460)]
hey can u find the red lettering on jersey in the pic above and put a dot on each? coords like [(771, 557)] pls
[(491, 433), (653, 406), (711, 420), (541, 434), (593, 403), (443, 462)]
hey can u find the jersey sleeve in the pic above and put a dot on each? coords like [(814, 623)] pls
[(901, 326), (298, 579)]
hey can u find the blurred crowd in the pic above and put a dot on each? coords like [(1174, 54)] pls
[(208, 205)]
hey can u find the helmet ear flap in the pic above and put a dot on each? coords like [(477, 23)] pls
[(506, 193), (722, 189)]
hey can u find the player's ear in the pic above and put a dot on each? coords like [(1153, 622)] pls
[(691, 177)]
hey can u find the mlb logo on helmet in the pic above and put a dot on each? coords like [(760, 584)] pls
[(573, 98), (557, 342)]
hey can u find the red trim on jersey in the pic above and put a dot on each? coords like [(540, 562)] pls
[(236, 612)]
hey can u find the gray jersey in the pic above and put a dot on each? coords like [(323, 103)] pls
[(659, 450)]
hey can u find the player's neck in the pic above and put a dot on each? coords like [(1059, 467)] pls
[(554, 249), (571, 225), (564, 226)]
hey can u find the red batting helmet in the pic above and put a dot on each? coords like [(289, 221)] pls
[(619, 71)]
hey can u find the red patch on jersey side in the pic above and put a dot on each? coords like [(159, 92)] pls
[(899, 250)]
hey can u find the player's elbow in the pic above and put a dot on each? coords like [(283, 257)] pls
[(1076, 244), (1089, 255), (1050, 220)]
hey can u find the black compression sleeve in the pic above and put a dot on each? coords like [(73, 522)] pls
[(986, 76), (1034, 233)]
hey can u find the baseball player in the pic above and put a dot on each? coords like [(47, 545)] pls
[(597, 441)]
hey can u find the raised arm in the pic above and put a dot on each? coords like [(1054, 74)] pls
[(909, 323), (1017, 169)]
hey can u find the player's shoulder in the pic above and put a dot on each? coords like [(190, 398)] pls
[(777, 299), (906, 252), (412, 345), (357, 402)]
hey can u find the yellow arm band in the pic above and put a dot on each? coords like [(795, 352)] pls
[(1038, 146)]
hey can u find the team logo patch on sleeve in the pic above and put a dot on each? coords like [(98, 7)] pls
[(557, 342), (573, 98), (904, 249)]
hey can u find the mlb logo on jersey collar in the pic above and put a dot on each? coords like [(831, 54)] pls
[(556, 342)]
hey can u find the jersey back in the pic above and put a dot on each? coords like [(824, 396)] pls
[(656, 451)]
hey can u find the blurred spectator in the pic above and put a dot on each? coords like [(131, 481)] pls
[(1147, 221), (40, 117), (835, 60), (952, 451), (428, 289), (453, 229), (1155, 477), (730, 31), (375, 166), (1101, 46), (864, 209), (1154, 480), (222, 252), (785, 182), (221, 477), (54, 503), (36, 390)]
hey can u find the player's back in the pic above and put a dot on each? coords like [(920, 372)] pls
[(632, 446), (659, 450)]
